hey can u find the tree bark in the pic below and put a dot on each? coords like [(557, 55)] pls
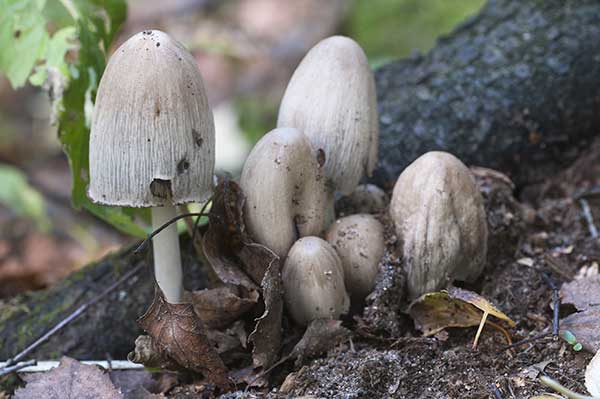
[(108, 329), (515, 88)]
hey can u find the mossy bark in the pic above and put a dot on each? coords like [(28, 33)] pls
[(515, 88), (108, 329)]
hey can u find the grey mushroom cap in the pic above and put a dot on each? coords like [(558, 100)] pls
[(152, 137), (359, 242), (285, 190), (440, 221), (331, 98), (313, 280)]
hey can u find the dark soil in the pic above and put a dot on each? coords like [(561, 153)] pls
[(388, 358)]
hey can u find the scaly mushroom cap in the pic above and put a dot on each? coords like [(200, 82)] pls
[(359, 242), (440, 221), (152, 133), (331, 99), (313, 280), (285, 190)]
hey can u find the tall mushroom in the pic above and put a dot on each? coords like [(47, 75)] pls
[(331, 99), (285, 190), (152, 140)]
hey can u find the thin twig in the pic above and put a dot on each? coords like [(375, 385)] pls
[(589, 218), (549, 382), (555, 304), (32, 366), (80, 310), (525, 341), (144, 243), (11, 369)]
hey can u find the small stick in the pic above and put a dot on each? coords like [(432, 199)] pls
[(525, 341), (555, 304), (144, 243), (549, 382), (80, 310), (496, 391), (32, 366), (10, 369), (589, 218)]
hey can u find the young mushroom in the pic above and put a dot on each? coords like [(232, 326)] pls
[(331, 99), (152, 141), (285, 190), (313, 280), (359, 242), (440, 221), (366, 198)]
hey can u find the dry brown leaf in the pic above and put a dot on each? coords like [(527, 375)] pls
[(135, 384), (320, 336), (583, 293), (456, 307), (178, 332), (70, 379), (586, 328), (266, 336), (238, 260), (219, 307)]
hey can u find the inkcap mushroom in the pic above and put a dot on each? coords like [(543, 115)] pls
[(313, 280), (359, 242), (366, 198), (440, 221), (331, 99), (285, 189), (152, 140)]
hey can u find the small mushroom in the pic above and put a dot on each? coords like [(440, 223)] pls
[(285, 190), (313, 280), (440, 221), (331, 99), (367, 198), (152, 140), (359, 242)]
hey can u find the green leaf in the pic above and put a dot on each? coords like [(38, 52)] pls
[(23, 38), (577, 347), (61, 42), (18, 195)]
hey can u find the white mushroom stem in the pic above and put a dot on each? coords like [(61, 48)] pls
[(167, 257)]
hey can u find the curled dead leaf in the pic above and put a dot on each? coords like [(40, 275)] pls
[(435, 311), (238, 260), (219, 307), (179, 333)]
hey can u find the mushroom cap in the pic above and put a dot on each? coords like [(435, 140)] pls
[(285, 190), (359, 242), (440, 221), (313, 280), (152, 137), (331, 99), (366, 198)]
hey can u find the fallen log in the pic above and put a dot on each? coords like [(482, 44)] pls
[(514, 88)]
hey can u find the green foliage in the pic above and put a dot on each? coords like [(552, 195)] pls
[(389, 29), (87, 27), (18, 195)]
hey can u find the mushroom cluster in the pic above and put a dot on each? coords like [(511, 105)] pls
[(152, 145), (325, 142)]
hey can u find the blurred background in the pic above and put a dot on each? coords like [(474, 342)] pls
[(246, 51)]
